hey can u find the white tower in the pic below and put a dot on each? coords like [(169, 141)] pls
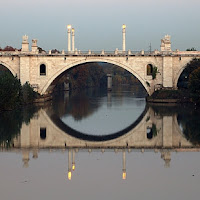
[(69, 27), (25, 44), (73, 45), (123, 37), (34, 46)]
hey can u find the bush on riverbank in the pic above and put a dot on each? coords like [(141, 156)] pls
[(183, 95), (12, 93)]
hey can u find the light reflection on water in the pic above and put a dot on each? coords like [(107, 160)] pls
[(99, 175)]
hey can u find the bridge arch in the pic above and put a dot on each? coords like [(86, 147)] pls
[(9, 68), (94, 60)]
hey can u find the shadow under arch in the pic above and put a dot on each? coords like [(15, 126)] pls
[(95, 60), (182, 78), (98, 138)]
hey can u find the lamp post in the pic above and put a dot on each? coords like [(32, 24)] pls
[(124, 166), (73, 159), (123, 37), (69, 165), (69, 27), (73, 45)]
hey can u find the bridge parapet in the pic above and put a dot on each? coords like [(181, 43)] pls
[(102, 53)]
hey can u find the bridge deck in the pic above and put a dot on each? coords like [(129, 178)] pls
[(102, 53)]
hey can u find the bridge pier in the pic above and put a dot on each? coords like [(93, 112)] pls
[(109, 82), (66, 84), (167, 131), (167, 72)]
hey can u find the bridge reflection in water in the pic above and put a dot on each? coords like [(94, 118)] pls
[(152, 131)]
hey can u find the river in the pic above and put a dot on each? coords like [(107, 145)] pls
[(94, 144)]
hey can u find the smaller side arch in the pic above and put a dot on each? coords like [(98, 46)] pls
[(9, 68)]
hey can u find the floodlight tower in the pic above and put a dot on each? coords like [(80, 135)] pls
[(73, 45), (123, 37), (69, 27)]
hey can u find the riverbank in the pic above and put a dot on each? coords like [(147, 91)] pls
[(170, 96)]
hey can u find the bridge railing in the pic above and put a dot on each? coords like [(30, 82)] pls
[(102, 53)]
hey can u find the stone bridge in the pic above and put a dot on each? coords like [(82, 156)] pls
[(43, 70), (45, 131)]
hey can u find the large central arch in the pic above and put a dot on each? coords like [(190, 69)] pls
[(93, 60)]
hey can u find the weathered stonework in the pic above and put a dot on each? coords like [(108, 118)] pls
[(26, 64), (136, 138)]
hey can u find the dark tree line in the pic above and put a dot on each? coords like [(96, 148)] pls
[(11, 122), (95, 75), (12, 93)]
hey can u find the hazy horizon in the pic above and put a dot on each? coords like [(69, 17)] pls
[(98, 23)]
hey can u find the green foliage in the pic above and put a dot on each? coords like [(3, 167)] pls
[(154, 72), (28, 93), (11, 122), (188, 119), (194, 84), (171, 94), (154, 130), (87, 75), (120, 76), (12, 94), (189, 68), (10, 91)]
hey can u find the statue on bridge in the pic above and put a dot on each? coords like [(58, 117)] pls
[(166, 43)]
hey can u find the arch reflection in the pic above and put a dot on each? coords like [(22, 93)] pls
[(167, 137)]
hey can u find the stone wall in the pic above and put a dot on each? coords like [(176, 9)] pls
[(27, 67)]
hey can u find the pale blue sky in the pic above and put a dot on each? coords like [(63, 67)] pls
[(98, 23)]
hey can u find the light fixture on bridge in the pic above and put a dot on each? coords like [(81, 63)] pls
[(69, 175), (73, 167), (124, 26), (69, 26), (124, 175), (73, 35)]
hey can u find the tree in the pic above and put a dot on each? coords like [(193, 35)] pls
[(28, 94), (87, 75), (41, 50), (194, 84), (12, 94), (191, 49), (10, 91), (189, 68), (55, 51), (9, 48)]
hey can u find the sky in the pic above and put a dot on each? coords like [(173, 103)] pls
[(98, 23)]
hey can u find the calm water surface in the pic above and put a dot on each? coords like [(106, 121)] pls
[(98, 145)]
